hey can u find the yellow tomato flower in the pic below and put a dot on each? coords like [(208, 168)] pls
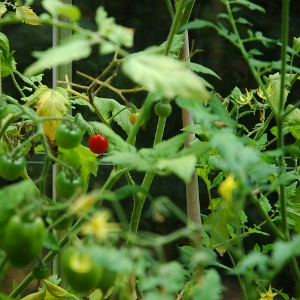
[(82, 204), (226, 189), (269, 295), (246, 99), (99, 226)]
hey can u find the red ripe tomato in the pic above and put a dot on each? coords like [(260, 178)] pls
[(98, 143)]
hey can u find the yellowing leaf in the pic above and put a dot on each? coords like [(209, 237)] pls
[(27, 15), (165, 76), (55, 290), (50, 103), (35, 296), (3, 9)]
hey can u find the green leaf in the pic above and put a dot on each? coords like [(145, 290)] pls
[(203, 173), (293, 118), (108, 29), (201, 69), (51, 242), (170, 147), (250, 261), (163, 159), (80, 158), (4, 44), (164, 75), (264, 203), (283, 251), (243, 21), (4, 297), (238, 158), (73, 48), (177, 44), (96, 295), (35, 296), (8, 63), (183, 166), (211, 287), (55, 290), (216, 225), (198, 24), (110, 107), (296, 44), (251, 5), (59, 8)]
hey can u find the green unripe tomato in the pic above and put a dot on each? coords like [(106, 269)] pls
[(81, 271), (11, 168), (23, 240), (68, 184), (108, 279), (68, 136), (163, 110)]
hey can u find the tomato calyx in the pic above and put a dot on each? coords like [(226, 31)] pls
[(40, 271)]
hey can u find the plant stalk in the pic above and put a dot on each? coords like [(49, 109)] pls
[(192, 188)]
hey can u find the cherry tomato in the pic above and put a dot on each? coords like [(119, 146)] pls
[(67, 183), (163, 110), (133, 117), (108, 279), (98, 143), (11, 168), (81, 272), (68, 136), (23, 240)]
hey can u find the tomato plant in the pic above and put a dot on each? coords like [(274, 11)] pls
[(23, 240), (81, 272), (11, 167), (163, 110), (239, 163), (68, 136), (98, 143), (68, 183)]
